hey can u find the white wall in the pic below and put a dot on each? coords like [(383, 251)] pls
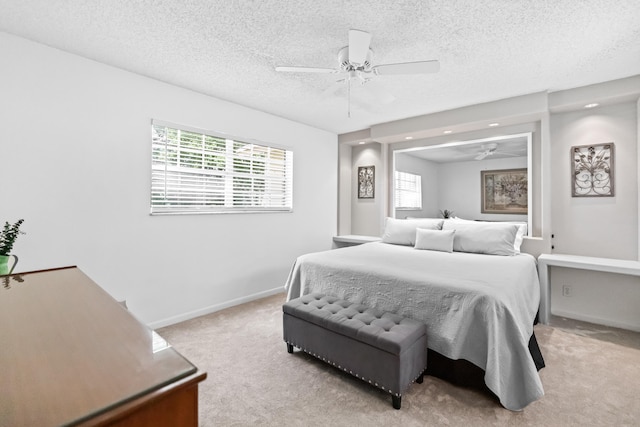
[(365, 213), (76, 166), (596, 226), (430, 184), (344, 188)]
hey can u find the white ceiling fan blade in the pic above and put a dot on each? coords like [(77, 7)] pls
[(306, 70), (359, 42), (481, 156), (419, 67)]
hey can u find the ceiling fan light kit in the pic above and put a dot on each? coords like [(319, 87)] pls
[(355, 60)]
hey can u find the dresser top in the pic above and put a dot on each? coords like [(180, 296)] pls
[(70, 351)]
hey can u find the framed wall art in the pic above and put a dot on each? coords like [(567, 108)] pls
[(592, 170), (366, 182), (504, 191)]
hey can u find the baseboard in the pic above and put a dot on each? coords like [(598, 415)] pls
[(213, 308), (596, 320)]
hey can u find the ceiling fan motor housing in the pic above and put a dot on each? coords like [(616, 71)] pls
[(345, 65)]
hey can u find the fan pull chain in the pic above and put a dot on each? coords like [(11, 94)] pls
[(349, 99)]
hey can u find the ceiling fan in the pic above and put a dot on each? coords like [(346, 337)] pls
[(490, 150), (355, 60)]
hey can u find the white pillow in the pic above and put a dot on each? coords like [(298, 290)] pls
[(522, 229), (403, 231), (435, 240), (492, 238)]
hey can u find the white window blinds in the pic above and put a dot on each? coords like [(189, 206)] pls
[(408, 191), (193, 172)]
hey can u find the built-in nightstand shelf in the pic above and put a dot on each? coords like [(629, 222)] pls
[(609, 265)]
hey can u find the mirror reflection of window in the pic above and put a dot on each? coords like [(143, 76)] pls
[(408, 191)]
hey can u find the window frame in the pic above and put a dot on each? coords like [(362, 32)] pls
[(227, 178)]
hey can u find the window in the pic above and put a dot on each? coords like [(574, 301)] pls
[(195, 172), (408, 191)]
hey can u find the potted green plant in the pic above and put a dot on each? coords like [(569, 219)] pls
[(446, 214), (8, 237)]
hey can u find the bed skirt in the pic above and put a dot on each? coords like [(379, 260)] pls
[(465, 374)]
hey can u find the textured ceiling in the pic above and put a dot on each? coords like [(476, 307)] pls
[(488, 50)]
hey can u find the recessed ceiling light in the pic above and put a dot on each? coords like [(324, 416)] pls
[(595, 104), (447, 131), (408, 137), (494, 124), (362, 142)]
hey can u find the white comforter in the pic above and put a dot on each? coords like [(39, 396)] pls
[(476, 307)]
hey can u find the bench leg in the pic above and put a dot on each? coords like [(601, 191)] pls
[(396, 401), (289, 348)]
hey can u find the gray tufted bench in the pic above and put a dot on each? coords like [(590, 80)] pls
[(384, 349)]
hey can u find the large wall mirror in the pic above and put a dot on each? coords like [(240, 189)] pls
[(453, 176)]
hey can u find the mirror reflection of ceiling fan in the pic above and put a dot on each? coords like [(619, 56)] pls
[(490, 150), (354, 62)]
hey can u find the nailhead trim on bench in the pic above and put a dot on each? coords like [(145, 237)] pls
[(348, 371)]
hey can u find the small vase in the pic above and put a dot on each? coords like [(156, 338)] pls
[(4, 264)]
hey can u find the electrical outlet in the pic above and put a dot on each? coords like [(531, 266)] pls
[(567, 291)]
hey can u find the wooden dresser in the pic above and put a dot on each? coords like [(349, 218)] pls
[(71, 355)]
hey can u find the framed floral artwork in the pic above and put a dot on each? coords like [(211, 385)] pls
[(366, 182), (504, 191), (592, 170)]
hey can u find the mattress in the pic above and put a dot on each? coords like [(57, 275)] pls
[(477, 307)]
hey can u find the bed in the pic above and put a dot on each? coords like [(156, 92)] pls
[(478, 305)]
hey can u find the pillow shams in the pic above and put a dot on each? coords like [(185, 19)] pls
[(435, 240), (403, 231), (522, 229), (483, 238)]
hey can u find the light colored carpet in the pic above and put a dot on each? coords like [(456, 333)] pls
[(252, 380)]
